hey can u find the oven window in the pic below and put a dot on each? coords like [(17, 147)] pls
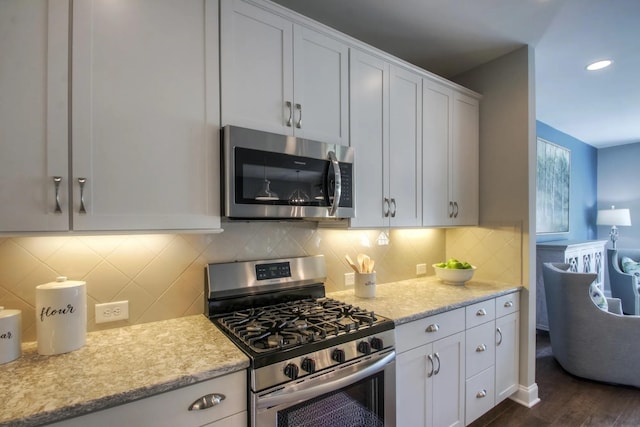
[(358, 405)]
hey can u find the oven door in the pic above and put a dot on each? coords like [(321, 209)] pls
[(357, 394)]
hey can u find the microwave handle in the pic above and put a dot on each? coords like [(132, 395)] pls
[(337, 189)]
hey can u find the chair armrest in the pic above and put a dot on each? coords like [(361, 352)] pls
[(614, 305)]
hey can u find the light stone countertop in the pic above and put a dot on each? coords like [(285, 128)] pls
[(415, 299), (115, 366), (120, 365)]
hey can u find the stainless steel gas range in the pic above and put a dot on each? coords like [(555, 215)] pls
[(314, 361)]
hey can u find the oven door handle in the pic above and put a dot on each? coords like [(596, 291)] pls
[(331, 382), (337, 183)]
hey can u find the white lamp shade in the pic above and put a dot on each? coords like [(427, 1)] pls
[(614, 217)]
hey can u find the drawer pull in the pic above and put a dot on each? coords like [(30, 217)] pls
[(207, 401), (481, 312), (481, 348), (482, 393), (434, 327), (508, 304), (499, 331)]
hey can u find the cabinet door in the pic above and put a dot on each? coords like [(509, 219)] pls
[(507, 355), (404, 164), (145, 115), (256, 53), (464, 160), (321, 97), (447, 393), (369, 92), (436, 137), (33, 115), (412, 379)]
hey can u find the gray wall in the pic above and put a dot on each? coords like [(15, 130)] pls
[(618, 184), (508, 178)]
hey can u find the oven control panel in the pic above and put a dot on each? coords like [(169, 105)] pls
[(315, 362), (274, 270)]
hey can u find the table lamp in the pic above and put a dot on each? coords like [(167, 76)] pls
[(614, 217)]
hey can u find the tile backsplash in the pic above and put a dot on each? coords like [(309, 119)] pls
[(162, 275)]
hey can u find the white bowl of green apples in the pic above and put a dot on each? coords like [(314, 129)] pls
[(454, 272)]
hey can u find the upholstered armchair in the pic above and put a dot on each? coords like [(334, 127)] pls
[(586, 340), (624, 285)]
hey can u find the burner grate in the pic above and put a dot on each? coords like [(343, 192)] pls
[(290, 324)]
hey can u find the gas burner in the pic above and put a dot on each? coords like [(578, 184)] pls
[(293, 323)]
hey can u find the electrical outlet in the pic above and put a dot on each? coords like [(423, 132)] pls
[(112, 311), (421, 269), (349, 279)]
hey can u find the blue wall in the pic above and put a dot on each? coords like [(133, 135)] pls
[(583, 185)]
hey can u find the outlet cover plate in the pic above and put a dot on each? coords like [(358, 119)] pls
[(112, 311)]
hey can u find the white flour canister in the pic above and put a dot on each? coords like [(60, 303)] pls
[(10, 333), (61, 316)]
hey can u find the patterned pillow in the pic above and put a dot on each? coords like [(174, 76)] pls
[(630, 266), (598, 298)]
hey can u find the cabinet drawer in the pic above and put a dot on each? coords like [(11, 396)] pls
[(481, 349), (507, 304), (480, 313), (479, 394), (171, 408), (429, 329)]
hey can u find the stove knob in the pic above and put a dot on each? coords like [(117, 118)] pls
[(364, 347), (309, 365), (291, 371), (376, 343), (338, 355)]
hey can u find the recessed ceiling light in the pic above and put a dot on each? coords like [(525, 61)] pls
[(599, 65)]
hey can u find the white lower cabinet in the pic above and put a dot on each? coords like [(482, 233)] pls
[(454, 366), (171, 408), (430, 377)]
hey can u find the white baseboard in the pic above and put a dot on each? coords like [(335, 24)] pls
[(526, 396)]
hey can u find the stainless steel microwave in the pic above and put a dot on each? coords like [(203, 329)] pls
[(271, 176)]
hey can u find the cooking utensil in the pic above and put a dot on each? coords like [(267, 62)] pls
[(352, 264)]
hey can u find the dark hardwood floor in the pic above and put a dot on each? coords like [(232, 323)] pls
[(566, 400)]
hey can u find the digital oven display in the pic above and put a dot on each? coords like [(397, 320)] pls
[(274, 270)]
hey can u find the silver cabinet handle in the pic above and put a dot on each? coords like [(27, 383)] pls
[(434, 327), (386, 207), (430, 359), (455, 205), (299, 108), (481, 312), (82, 182), (437, 357), (450, 209), (508, 304), (499, 331), (393, 212), (207, 401), (56, 183), (482, 393), (481, 348), (288, 104), (337, 180)]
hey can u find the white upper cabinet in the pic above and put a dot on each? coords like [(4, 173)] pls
[(386, 135), (404, 148), (145, 115), (33, 115), (282, 77), (144, 133), (450, 156), (369, 96)]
